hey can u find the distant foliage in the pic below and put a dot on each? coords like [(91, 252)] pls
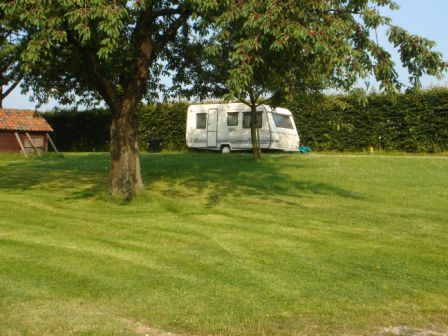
[(166, 122), (86, 131), (411, 122)]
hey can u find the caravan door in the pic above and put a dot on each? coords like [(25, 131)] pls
[(211, 127)]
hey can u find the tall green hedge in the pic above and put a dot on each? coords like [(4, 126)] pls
[(166, 122), (74, 131), (411, 122), (89, 130)]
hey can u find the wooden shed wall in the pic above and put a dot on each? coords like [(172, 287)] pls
[(8, 141)]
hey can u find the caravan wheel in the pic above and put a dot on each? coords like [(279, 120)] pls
[(225, 149)]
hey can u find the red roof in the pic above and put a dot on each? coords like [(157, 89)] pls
[(23, 120)]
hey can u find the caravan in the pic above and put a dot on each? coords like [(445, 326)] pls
[(226, 127)]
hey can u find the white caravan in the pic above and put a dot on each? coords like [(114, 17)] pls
[(226, 127)]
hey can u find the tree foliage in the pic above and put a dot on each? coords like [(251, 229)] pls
[(268, 51), (288, 47), (330, 37), (11, 44), (104, 50)]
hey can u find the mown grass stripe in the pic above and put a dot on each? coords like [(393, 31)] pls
[(292, 245)]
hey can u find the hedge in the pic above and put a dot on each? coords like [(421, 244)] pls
[(166, 122), (74, 131), (411, 122), (85, 131)]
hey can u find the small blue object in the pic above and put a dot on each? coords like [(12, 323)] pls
[(304, 149)]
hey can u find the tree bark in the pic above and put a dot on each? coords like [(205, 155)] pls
[(253, 132), (125, 172)]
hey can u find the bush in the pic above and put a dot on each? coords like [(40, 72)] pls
[(411, 122), (166, 122), (84, 131), (88, 130)]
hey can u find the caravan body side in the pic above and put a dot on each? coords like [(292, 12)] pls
[(214, 126)]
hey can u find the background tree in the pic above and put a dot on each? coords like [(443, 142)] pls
[(274, 49), (113, 51), (207, 73)]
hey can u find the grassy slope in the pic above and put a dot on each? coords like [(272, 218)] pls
[(222, 245)]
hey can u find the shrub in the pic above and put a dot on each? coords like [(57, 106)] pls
[(411, 122)]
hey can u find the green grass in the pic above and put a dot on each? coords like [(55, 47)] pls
[(221, 245)]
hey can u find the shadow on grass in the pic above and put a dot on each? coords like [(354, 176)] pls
[(79, 176), (86, 175), (236, 174)]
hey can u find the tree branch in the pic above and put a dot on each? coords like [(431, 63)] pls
[(145, 49), (12, 87), (171, 31), (167, 12), (93, 71), (103, 84), (5, 79), (244, 101), (137, 81), (264, 101)]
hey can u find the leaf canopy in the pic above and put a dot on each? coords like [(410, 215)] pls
[(273, 46), (281, 47)]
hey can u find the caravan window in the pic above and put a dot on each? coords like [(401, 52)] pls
[(282, 121), (232, 119), (247, 118), (201, 120)]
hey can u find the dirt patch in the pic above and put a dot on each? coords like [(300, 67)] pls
[(407, 331), (145, 330)]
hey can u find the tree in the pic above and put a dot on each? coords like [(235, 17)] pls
[(87, 51), (115, 50), (270, 50), (209, 69), (11, 43)]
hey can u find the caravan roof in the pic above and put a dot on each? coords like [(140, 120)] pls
[(236, 106)]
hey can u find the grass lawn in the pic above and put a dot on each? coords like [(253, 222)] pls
[(221, 245)]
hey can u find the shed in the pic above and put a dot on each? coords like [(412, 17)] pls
[(24, 131)]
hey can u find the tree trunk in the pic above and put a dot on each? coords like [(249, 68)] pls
[(125, 173), (253, 132), (1, 96)]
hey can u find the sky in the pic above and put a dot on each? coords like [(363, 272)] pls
[(424, 18)]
